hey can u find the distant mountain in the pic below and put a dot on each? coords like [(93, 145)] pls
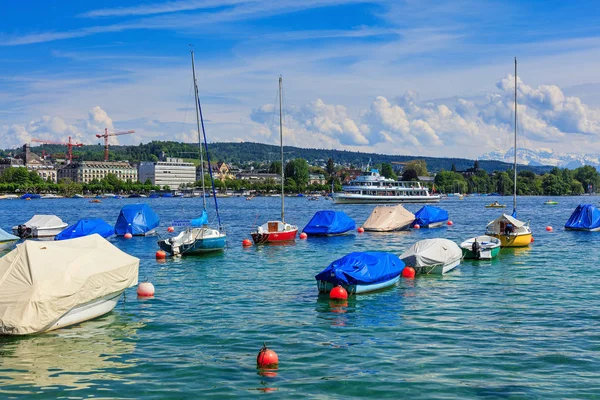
[(545, 157)]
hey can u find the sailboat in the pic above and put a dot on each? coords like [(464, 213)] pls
[(507, 228), (277, 231), (199, 237)]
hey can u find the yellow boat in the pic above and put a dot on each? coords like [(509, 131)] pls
[(495, 205), (510, 231)]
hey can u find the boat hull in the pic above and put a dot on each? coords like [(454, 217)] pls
[(341, 198), (485, 254), (520, 240), (435, 224), (39, 233), (196, 247), (274, 237), (439, 269), (326, 287), (402, 228), (7, 244), (569, 229), (489, 248)]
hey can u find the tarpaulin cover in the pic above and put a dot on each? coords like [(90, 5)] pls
[(5, 236), (329, 222), (430, 215), (389, 218), (137, 219), (44, 222), (585, 216), (42, 281), (85, 227), (201, 220), (362, 269), (431, 252)]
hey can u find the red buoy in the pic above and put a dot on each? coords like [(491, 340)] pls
[(450, 223), (170, 229), (408, 273), (145, 289), (128, 235), (417, 226), (338, 293), (161, 254), (360, 229), (303, 235), (246, 243), (549, 228), (266, 358)]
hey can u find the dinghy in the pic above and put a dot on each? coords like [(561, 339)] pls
[(7, 240), (432, 256), (431, 217), (361, 272), (327, 223), (586, 217), (40, 226), (50, 285), (389, 218), (487, 247), (137, 219), (85, 227)]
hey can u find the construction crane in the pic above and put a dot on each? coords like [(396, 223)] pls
[(106, 135), (69, 145)]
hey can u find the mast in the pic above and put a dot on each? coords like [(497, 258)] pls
[(281, 143), (515, 166), (198, 128)]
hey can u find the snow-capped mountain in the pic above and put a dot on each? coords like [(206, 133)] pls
[(545, 157)]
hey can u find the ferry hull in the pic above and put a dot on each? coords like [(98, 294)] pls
[(362, 199)]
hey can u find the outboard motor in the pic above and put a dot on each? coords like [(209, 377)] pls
[(21, 229), (476, 248)]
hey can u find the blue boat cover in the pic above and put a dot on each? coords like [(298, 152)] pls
[(430, 215), (31, 196), (329, 222), (136, 219), (201, 220), (5, 236), (362, 269), (85, 227), (585, 216)]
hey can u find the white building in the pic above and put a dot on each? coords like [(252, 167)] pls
[(87, 171), (172, 172)]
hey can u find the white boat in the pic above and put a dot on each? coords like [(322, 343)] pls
[(61, 283), (433, 256), (487, 247), (40, 226), (371, 187), (9, 197), (51, 196)]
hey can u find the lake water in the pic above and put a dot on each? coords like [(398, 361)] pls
[(526, 325)]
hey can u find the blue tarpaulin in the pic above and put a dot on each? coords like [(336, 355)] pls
[(85, 227), (137, 219), (329, 222), (585, 217), (362, 269), (430, 215), (5, 236), (201, 220)]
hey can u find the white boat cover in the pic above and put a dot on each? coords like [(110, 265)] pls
[(431, 252), (497, 226), (506, 218), (40, 281), (388, 218), (45, 222)]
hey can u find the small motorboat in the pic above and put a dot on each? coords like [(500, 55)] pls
[(86, 227), (9, 197), (137, 219), (431, 217), (7, 240), (389, 218), (361, 272), (95, 201), (328, 222), (248, 198), (51, 196), (30, 196), (77, 196), (495, 205), (194, 241), (40, 226), (313, 198), (61, 283), (432, 256), (487, 247), (550, 203), (586, 217)]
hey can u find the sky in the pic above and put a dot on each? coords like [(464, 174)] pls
[(413, 77)]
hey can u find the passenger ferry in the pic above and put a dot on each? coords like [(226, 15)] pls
[(370, 187)]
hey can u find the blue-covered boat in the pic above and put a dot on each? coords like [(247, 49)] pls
[(154, 196), (586, 217), (30, 196), (361, 272), (85, 227), (329, 222), (431, 217), (7, 240), (137, 219)]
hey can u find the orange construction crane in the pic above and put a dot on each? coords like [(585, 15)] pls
[(106, 135), (69, 145)]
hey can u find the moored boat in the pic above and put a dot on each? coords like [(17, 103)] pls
[(137, 219), (510, 231), (328, 222), (481, 247), (389, 218), (495, 204), (431, 217), (550, 203), (360, 272), (586, 217), (86, 227), (40, 226), (432, 256)]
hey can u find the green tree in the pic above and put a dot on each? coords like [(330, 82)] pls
[(330, 167), (387, 171), (420, 166)]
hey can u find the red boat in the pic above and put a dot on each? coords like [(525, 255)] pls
[(274, 231)]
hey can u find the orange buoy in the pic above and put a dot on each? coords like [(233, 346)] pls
[(532, 240), (417, 226), (450, 223), (338, 293), (246, 242), (303, 235), (549, 228), (170, 229), (408, 273), (266, 358), (145, 289), (128, 235), (360, 229), (160, 254)]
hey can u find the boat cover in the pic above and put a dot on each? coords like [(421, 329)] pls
[(42, 281), (585, 216), (137, 219), (431, 252), (329, 222), (201, 220), (7, 237), (430, 215), (388, 218), (494, 226), (45, 222), (85, 227), (362, 269)]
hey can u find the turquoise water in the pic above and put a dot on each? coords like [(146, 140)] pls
[(526, 325)]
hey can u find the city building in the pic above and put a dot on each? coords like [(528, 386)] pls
[(87, 171), (319, 179), (220, 170), (32, 162), (171, 172), (258, 177)]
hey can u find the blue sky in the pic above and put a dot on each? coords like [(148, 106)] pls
[(399, 77)]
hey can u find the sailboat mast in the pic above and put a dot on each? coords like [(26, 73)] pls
[(515, 166), (281, 144), (198, 128)]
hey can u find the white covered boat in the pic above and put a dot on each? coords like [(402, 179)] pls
[(40, 226), (50, 285), (433, 256), (389, 218)]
